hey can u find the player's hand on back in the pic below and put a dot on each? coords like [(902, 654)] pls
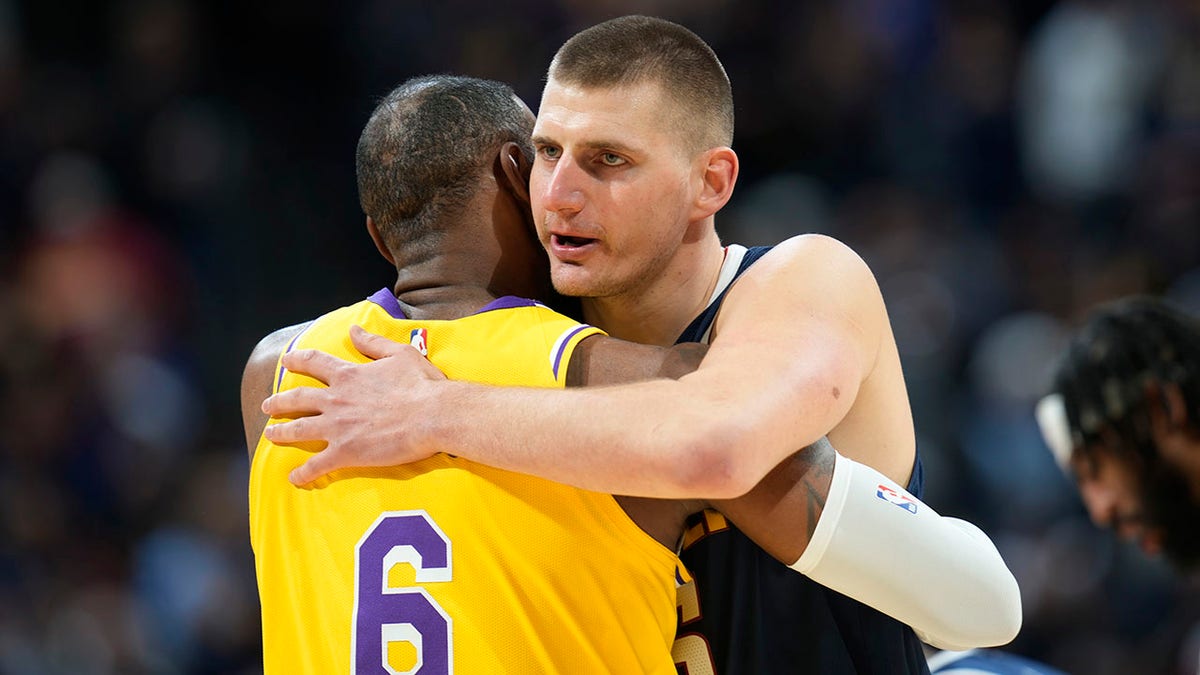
[(370, 413)]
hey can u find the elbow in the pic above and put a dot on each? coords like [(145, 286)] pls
[(1000, 620), (709, 464), (990, 617), (998, 596), (1007, 615), (999, 602)]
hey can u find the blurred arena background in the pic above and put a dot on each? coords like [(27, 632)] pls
[(177, 179)]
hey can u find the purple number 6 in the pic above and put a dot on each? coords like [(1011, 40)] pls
[(384, 614)]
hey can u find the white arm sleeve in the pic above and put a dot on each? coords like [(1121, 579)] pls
[(878, 544)]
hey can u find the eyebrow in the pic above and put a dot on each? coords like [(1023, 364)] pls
[(601, 144)]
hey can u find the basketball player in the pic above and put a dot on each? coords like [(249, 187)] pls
[(633, 162), (509, 573), (1122, 420)]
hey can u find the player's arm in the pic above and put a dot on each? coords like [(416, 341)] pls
[(854, 530), (797, 335), (939, 575), (848, 526), (601, 360), (258, 381)]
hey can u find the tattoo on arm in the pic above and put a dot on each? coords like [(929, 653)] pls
[(816, 485)]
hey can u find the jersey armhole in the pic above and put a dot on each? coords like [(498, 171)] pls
[(564, 346)]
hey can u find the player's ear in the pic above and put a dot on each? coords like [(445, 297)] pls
[(377, 237), (718, 170), (512, 170)]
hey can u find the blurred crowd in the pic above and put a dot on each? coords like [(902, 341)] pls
[(177, 180)]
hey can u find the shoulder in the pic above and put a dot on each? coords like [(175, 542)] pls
[(810, 287), (600, 359), (268, 349), (809, 271), (258, 377), (809, 252)]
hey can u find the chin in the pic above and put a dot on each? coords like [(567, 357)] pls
[(572, 283), (1174, 514)]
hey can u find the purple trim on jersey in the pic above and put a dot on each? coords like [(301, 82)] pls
[(291, 345), (562, 347), (507, 302), (387, 300)]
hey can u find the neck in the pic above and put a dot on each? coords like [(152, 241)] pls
[(483, 252), (442, 287), (659, 311)]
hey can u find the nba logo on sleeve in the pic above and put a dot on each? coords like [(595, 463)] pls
[(887, 494), (419, 338)]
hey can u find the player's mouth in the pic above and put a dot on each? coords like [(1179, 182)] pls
[(1135, 529), (570, 248)]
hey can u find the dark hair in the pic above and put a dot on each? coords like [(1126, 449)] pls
[(422, 153), (633, 49), (1125, 350)]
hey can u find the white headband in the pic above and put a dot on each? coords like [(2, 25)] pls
[(1051, 416)]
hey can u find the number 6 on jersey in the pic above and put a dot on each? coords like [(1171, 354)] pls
[(388, 617)]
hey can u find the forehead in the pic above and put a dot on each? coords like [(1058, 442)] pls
[(631, 115), (1103, 458)]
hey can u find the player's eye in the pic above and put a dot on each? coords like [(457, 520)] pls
[(550, 151), (611, 159)]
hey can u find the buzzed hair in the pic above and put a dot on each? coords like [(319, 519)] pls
[(631, 50), (1125, 349), (425, 148)]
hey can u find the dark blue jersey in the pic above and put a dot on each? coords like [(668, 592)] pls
[(759, 617)]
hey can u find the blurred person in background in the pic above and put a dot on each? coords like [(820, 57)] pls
[(1123, 419)]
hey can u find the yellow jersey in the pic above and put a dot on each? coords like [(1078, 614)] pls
[(444, 565)]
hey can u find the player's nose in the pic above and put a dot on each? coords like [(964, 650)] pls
[(561, 190), (1101, 502)]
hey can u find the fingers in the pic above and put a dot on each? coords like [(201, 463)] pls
[(294, 431), (318, 465), (315, 364), (375, 346), (297, 402)]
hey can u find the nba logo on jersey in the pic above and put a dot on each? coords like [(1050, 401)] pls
[(903, 501), (419, 338)]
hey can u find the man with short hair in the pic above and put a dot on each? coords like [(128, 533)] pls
[(446, 565), (633, 162), (507, 572)]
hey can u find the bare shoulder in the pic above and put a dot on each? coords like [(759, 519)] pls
[(600, 360), (257, 378), (808, 275), (809, 254)]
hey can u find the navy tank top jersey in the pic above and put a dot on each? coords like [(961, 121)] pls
[(757, 616)]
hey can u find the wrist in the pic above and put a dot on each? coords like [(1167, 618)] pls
[(442, 406)]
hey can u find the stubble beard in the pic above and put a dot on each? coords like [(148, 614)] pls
[(594, 284), (1171, 507)]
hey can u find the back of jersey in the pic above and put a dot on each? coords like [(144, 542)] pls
[(444, 565)]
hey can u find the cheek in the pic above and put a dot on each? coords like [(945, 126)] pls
[(1124, 485), (664, 214), (538, 180)]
